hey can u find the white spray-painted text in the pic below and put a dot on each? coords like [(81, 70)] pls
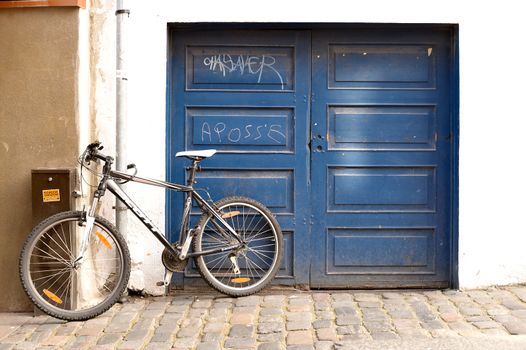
[(244, 64), (221, 133)]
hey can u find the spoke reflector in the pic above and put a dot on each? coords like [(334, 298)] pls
[(52, 296), (104, 240), (240, 280), (230, 214)]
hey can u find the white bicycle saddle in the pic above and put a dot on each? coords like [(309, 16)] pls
[(197, 154)]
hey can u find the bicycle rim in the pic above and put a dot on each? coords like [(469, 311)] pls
[(257, 260), (63, 288)]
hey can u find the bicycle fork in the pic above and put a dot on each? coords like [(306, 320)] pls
[(90, 222)]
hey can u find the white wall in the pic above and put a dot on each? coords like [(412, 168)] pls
[(492, 118)]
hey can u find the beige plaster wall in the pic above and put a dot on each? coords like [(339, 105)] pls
[(39, 121)]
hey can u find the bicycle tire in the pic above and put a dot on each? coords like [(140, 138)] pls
[(49, 246), (240, 213)]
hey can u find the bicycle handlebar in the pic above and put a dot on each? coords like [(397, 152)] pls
[(92, 153)]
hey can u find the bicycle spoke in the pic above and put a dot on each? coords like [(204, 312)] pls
[(256, 265), (260, 239), (64, 233), (102, 259), (64, 295), (251, 221), (221, 259), (238, 227), (214, 238), (48, 270), (47, 233), (104, 279), (68, 252), (50, 276), (46, 263), (215, 243), (60, 287), (58, 279), (261, 254), (247, 262), (244, 227), (51, 256), (263, 245), (259, 233), (231, 267)]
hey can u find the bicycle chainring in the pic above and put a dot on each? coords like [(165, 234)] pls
[(173, 263)]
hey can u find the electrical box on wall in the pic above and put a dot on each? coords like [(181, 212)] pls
[(52, 192)]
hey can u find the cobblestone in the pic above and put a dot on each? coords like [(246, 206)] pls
[(240, 330), (278, 320), (211, 345), (270, 327), (240, 342), (270, 346), (299, 338), (326, 334), (321, 324), (298, 325)]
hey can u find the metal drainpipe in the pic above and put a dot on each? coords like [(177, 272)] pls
[(122, 14)]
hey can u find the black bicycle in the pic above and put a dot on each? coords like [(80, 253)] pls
[(75, 265)]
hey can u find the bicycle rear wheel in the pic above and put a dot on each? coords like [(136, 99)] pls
[(66, 289), (249, 268)]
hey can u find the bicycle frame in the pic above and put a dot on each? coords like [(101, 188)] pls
[(112, 186)]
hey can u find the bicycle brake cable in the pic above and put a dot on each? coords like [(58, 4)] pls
[(80, 161), (207, 194)]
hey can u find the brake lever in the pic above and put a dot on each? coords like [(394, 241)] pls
[(128, 167), (132, 166)]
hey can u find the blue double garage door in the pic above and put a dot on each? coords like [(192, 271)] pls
[(345, 134)]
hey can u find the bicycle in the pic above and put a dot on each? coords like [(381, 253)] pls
[(75, 265)]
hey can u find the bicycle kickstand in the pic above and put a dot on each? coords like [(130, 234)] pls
[(166, 282)]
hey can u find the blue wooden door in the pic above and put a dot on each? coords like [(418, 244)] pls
[(381, 154), (246, 94), (353, 155)]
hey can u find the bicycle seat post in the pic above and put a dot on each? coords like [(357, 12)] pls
[(193, 169)]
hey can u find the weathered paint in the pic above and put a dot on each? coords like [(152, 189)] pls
[(500, 206), (246, 95), (384, 162), (490, 108), (382, 174), (39, 121)]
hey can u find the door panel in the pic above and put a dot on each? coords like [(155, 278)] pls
[(245, 93), (380, 158)]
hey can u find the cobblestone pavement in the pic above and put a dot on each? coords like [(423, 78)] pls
[(285, 319)]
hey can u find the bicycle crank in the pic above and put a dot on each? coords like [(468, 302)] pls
[(172, 262)]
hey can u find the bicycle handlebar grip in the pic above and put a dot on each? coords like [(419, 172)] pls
[(92, 151), (95, 145)]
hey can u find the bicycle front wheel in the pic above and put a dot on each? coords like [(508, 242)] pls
[(60, 285), (250, 267)]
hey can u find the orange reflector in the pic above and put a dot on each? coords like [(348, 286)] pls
[(230, 214), (240, 280), (52, 296), (103, 240)]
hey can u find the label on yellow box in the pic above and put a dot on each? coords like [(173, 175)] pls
[(51, 195)]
